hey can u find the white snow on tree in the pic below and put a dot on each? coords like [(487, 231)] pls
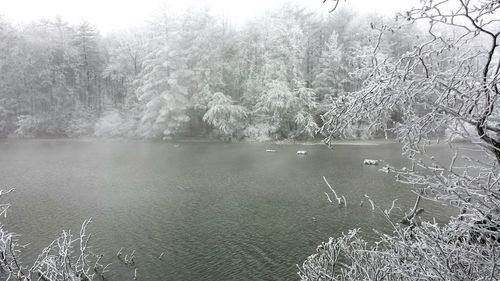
[(447, 86), (224, 115)]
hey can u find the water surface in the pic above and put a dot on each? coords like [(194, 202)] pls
[(217, 211)]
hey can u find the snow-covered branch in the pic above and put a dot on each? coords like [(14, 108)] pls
[(445, 90)]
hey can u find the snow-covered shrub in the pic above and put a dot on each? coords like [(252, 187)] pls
[(427, 252), (447, 80), (67, 258)]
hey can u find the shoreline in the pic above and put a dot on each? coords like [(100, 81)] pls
[(374, 142)]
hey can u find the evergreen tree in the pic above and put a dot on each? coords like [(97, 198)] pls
[(89, 66), (333, 75), (11, 78), (166, 101), (225, 116)]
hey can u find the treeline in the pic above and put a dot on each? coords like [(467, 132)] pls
[(185, 74)]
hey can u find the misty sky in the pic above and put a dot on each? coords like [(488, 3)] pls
[(110, 14)]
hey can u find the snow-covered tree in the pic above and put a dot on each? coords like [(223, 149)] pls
[(282, 102), (306, 106), (448, 78), (224, 115), (275, 108), (11, 78), (288, 111), (174, 71), (89, 66), (160, 77), (333, 70), (166, 102)]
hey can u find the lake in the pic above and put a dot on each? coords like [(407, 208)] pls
[(217, 211)]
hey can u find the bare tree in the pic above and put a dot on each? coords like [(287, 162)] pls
[(446, 89)]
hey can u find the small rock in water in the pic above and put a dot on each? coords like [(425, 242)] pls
[(302, 152), (370, 162), (270, 150)]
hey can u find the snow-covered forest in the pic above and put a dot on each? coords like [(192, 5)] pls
[(429, 78), (186, 74)]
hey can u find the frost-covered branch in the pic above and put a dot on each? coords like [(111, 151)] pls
[(68, 258), (446, 90)]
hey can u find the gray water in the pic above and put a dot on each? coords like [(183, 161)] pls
[(217, 211)]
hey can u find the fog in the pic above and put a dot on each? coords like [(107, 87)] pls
[(225, 140)]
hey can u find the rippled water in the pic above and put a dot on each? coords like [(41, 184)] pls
[(218, 211)]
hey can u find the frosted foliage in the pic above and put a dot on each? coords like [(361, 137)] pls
[(260, 132), (277, 101), (67, 258), (306, 105), (165, 100), (27, 126), (63, 80), (224, 115), (444, 89), (289, 110), (201, 99), (429, 252), (333, 70)]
